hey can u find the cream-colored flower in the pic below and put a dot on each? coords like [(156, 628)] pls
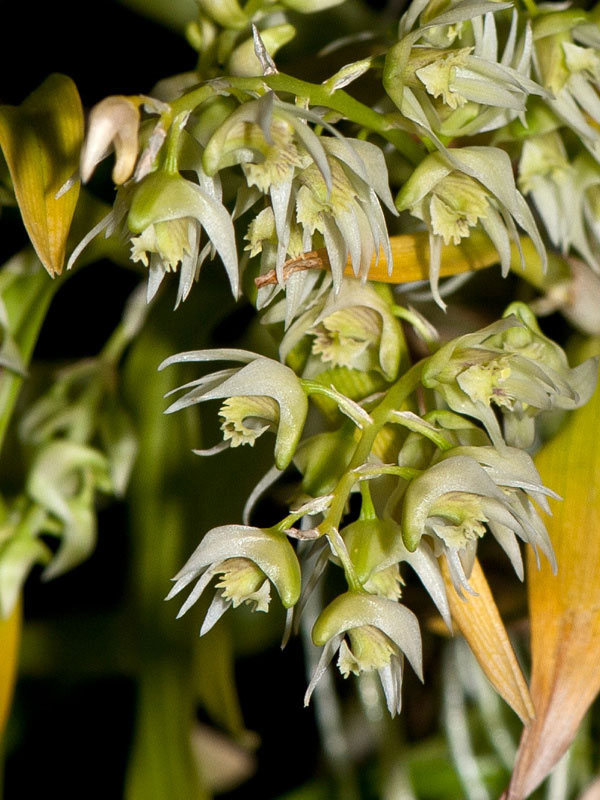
[(469, 186), (245, 561), (260, 395), (380, 632)]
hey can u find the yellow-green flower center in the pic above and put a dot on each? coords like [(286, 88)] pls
[(246, 418), (369, 649), (457, 204), (169, 239), (461, 518), (486, 383), (242, 581), (345, 335), (438, 77)]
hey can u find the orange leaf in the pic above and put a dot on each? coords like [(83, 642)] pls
[(10, 635), (479, 621), (41, 140), (564, 608)]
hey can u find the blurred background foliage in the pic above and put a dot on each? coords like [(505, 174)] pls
[(111, 686)]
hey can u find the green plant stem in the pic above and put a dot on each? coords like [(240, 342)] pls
[(394, 398), (531, 7), (26, 295), (317, 95)]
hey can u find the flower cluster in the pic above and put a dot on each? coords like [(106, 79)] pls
[(452, 480), (291, 185)]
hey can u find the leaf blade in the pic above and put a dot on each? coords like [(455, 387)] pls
[(41, 140), (564, 608), (478, 619)]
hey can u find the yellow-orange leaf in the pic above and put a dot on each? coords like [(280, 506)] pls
[(10, 636), (41, 140), (479, 621), (410, 254), (564, 609)]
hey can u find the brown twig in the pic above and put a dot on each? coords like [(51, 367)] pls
[(316, 259)]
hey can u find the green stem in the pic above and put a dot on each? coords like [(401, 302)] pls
[(31, 293), (531, 7), (338, 545), (367, 509), (394, 398), (348, 407), (425, 330), (317, 95), (174, 137)]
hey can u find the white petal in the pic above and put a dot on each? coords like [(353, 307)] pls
[(215, 611), (329, 650)]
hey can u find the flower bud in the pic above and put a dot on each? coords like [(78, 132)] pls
[(115, 120), (226, 13)]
